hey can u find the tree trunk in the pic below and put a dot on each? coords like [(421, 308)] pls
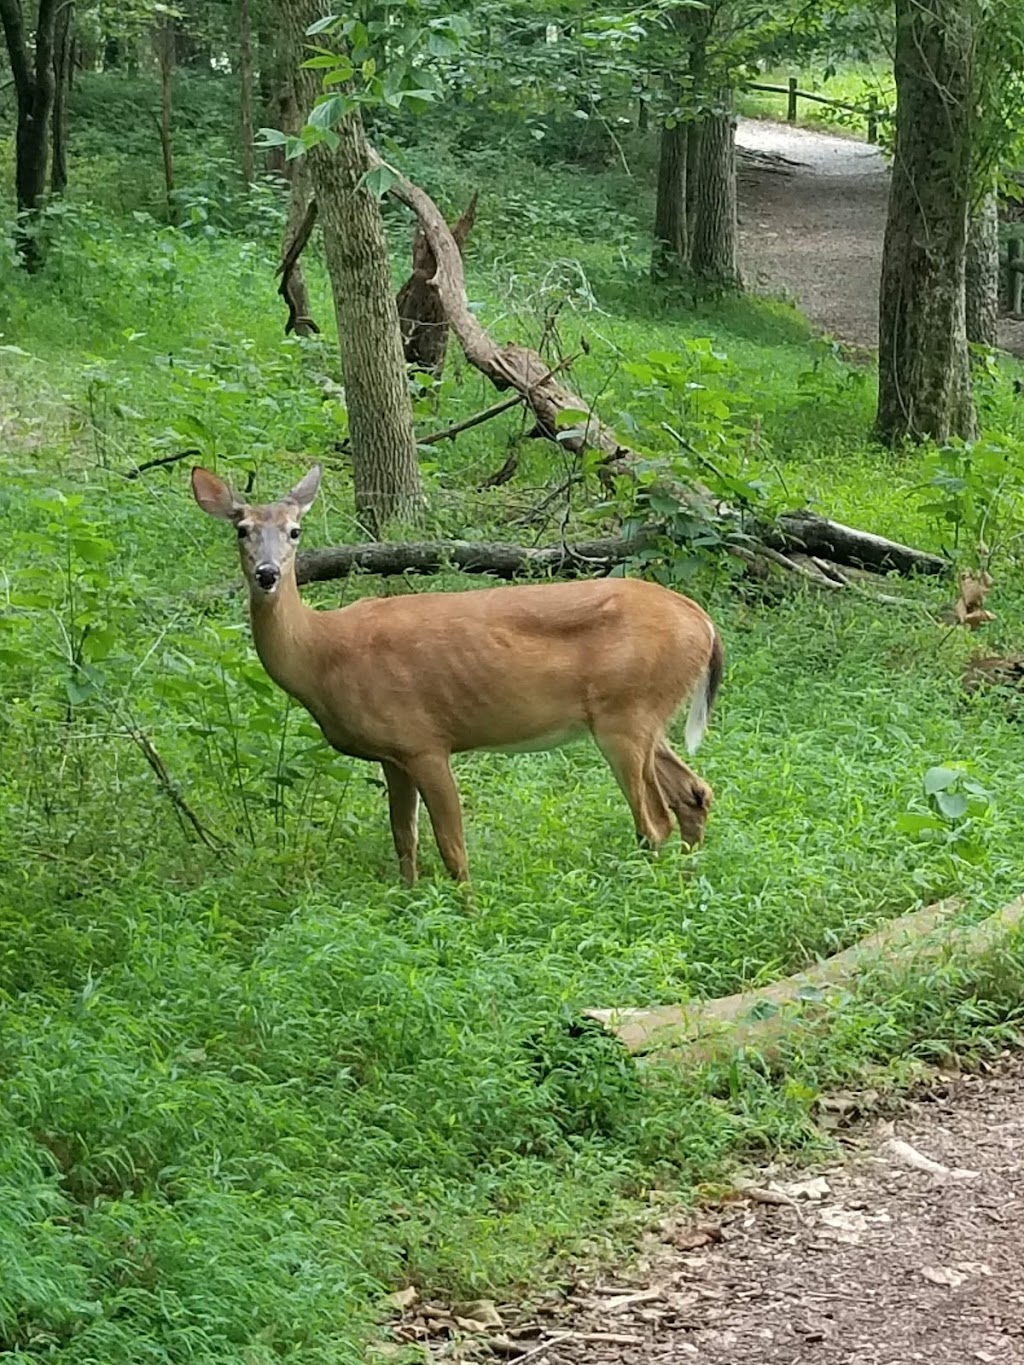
[(245, 72), (924, 383), (385, 469), (694, 130), (165, 45), (671, 239), (982, 273), (714, 244), (34, 89), (63, 65)]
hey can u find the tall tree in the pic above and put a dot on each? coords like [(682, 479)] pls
[(924, 384), (34, 90), (713, 251), (982, 273), (63, 50), (385, 468), (245, 80)]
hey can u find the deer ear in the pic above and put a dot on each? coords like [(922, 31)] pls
[(305, 491), (214, 496)]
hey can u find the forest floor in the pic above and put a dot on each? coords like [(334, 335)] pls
[(874, 1260), (812, 219)]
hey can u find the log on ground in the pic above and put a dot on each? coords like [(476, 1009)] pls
[(761, 1019)]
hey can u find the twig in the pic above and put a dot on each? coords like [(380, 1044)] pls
[(161, 461), (170, 787), (449, 433)]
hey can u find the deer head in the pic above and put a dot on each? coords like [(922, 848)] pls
[(267, 536)]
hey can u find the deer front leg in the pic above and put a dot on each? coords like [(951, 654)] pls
[(432, 774), (403, 808)]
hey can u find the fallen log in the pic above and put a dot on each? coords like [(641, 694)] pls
[(501, 561), (818, 536), (760, 1019), (588, 556)]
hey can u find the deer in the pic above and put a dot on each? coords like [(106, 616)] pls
[(409, 681)]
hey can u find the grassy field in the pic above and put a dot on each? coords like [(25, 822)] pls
[(248, 1088)]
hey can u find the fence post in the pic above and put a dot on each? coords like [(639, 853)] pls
[(1015, 273), (872, 119), (791, 111)]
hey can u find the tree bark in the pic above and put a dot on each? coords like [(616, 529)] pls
[(924, 383), (671, 238), (713, 248), (420, 312), (63, 65), (245, 74), (34, 90), (383, 442), (299, 223), (982, 273), (165, 49)]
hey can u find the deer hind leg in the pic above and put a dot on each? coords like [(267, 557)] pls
[(403, 808), (631, 758), (432, 774), (687, 795)]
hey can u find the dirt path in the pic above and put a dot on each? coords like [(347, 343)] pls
[(909, 1250), (813, 230)]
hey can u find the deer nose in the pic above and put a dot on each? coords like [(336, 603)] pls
[(267, 576)]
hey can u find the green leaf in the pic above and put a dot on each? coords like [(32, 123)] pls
[(953, 805), (938, 779), (330, 111), (911, 822), (322, 25), (379, 180)]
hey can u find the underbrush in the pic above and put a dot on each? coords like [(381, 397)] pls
[(249, 1082)]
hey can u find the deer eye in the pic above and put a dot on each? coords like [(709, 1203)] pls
[(243, 531), (294, 533)]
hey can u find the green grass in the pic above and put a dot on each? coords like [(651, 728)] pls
[(246, 1090)]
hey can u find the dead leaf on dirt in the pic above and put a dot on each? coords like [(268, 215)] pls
[(764, 1194), (480, 1315), (402, 1299), (690, 1236), (945, 1276), (812, 1190)]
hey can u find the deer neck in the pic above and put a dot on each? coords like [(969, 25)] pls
[(283, 628)]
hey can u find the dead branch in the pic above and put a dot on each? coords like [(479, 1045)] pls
[(450, 433), (555, 408), (161, 461), (298, 320), (420, 311)]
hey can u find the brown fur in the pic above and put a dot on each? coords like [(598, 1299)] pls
[(409, 681)]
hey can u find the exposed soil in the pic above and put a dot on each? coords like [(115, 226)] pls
[(879, 1260), (811, 227)]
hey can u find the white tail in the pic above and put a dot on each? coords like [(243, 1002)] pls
[(409, 681)]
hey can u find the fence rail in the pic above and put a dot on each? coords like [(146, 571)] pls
[(871, 112)]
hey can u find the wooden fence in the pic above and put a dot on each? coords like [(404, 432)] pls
[(871, 112)]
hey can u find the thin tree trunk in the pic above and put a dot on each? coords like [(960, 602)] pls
[(245, 71), (924, 382), (385, 468), (714, 245), (982, 273), (671, 239), (34, 89), (63, 64), (166, 53)]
